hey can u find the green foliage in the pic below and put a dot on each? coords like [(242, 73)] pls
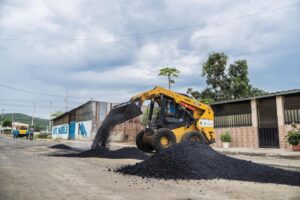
[(256, 92), (226, 137), (40, 136), (146, 115), (225, 83), (199, 97), (56, 114), (170, 72), (6, 123), (293, 136), (238, 80), (22, 118), (214, 72)]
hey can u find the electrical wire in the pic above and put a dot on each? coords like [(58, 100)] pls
[(134, 35)]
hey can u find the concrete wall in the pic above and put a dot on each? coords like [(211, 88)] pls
[(83, 130), (283, 130), (60, 132), (241, 136)]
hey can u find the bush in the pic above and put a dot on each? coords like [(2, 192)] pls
[(41, 136), (293, 136), (226, 137)]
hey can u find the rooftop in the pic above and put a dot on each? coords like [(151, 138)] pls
[(273, 94)]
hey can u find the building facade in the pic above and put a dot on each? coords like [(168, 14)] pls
[(258, 122), (82, 123)]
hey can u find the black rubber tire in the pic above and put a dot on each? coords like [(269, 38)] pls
[(193, 136), (163, 132), (140, 144)]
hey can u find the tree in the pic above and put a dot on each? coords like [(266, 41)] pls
[(6, 123), (205, 96), (238, 79), (56, 114), (254, 91), (170, 72), (223, 83), (214, 72)]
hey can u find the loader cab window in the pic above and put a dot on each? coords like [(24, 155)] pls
[(174, 113)]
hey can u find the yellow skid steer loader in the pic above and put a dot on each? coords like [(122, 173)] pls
[(172, 118)]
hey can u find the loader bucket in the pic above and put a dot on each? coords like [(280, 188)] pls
[(117, 115)]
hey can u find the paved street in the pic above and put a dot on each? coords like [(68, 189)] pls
[(28, 170)]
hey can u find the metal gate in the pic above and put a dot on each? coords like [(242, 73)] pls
[(267, 123)]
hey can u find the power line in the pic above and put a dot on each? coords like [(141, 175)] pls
[(41, 100), (21, 105), (39, 93), (134, 35)]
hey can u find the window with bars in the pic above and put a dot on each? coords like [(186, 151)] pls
[(292, 109), (232, 114)]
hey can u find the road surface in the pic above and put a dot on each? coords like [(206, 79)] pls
[(28, 170)]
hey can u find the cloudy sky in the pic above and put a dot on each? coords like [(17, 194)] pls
[(109, 50)]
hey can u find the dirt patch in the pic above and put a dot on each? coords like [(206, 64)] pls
[(123, 153), (61, 146), (192, 160)]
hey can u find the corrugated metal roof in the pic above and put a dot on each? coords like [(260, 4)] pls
[(286, 92)]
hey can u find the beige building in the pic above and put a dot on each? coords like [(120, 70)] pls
[(258, 122)]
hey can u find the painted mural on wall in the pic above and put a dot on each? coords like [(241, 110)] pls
[(60, 131), (83, 130)]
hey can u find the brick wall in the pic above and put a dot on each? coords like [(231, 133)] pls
[(241, 136), (283, 130)]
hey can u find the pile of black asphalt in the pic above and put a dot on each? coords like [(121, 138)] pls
[(192, 160), (60, 146)]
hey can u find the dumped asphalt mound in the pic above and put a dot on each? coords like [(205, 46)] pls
[(191, 160), (123, 153), (61, 146)]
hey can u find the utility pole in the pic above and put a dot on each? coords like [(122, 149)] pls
[(33, 115), (2, 117), (66, 99), (50, 127)]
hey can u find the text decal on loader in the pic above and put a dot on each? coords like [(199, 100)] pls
[(206, 123)]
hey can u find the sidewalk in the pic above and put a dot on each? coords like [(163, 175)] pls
[(267, 152), (280, 153)]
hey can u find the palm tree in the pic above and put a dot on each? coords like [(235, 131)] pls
[(170, 72)]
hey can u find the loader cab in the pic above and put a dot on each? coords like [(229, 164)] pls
[(164, 112)]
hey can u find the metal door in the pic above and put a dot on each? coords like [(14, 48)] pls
[(267, 123), (72, 130)]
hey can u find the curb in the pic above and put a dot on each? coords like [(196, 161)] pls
[(260, 154)]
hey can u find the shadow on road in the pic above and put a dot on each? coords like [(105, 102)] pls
[(123, 153)]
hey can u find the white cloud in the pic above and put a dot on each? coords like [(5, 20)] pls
[(90, 48)]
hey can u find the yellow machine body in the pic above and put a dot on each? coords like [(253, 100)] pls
[(202, 113)]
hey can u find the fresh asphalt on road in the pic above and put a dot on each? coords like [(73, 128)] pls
[(32, 170)]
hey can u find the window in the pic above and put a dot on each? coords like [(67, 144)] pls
[(232, 114), (292, 109)]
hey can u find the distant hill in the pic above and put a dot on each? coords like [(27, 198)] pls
[(19, 117)]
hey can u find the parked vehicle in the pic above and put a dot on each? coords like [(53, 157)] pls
[(21, 131)]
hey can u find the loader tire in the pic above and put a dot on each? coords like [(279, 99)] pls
[(140, 144), (194, 136), (163, 139)]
